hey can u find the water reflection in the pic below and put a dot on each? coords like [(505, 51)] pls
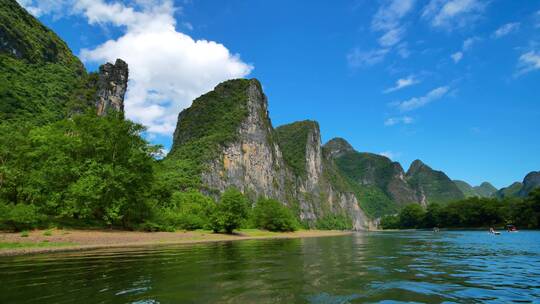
[(392, 267)]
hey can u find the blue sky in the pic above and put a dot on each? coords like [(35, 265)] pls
[(454, 83)]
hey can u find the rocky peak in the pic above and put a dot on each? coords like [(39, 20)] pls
[(337, 146), (416, 166), (112, 86)]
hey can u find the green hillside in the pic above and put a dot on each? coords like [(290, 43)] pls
[(467, 189), (40, 78), (434, 185), (292, 139), (485, 190)]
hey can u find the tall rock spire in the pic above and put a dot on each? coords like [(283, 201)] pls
[(112, 86)]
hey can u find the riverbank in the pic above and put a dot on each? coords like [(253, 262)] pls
[(56, 240)]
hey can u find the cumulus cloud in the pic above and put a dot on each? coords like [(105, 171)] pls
[(453, 13), (528, 62), (418, 102), (167, 68), (506, 29), (359, 58), (388, 19), (402, 83), (392, 121), (457, 56)]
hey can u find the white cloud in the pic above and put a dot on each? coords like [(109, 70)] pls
[(391, 37), (167, 68), (358, 58), (457, 56), (450, 14), (467, 44), (402, 83), (506, 29), (390, 154), (528, 62), (388, 18), (418, 102), (43, 7), (406, 120)]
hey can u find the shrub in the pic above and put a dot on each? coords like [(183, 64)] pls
[(334, 222), (231, 211), (271, 215), (19, 217)]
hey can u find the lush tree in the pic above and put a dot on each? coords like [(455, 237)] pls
[(433, 216), (411, 216), (231, 211), (390, 222), (272, 215), (86, 167)]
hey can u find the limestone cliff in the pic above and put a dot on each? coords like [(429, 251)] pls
[(237, 146), (111, 87)]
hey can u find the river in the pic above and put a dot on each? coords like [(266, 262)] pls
[(375, 267)]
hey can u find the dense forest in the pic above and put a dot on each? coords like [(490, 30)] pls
[(469, 213)]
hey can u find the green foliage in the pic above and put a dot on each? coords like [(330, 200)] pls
[(40, 93), (411, 216), (24, 233), (19, 217), (390, 222), (231, 211), (210, 122), (358, 167), (436, 186), (272, 215), (292, 139), (23, 36), (334, 222), (470, 212), (185, 210), (87, 167)]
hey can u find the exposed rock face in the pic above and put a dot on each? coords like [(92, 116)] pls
[(253, 160), (253, 163), (112, 86)]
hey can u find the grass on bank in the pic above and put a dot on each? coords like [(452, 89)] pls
[(25, 245)]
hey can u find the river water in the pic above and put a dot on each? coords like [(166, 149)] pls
[(377, 267)]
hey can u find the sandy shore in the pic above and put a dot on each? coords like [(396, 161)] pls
[(76, 240)]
